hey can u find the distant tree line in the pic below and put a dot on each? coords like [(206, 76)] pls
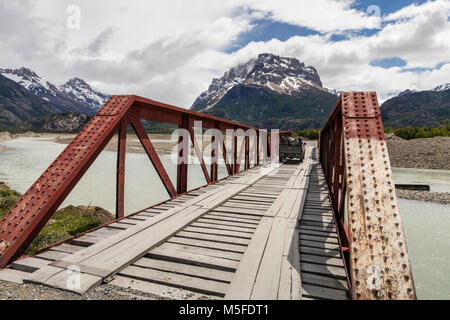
[(312, 134), (408, 133)]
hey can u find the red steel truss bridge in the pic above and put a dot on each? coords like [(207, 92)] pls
[(326, 228)]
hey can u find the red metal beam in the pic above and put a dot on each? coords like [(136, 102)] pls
[(183, 156), (214, 158), (120, 183), (153, 156), (199, 153), (29, 215), (356, 165), (225, 158)]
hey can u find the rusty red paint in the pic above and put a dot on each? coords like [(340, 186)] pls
[(29, 215)]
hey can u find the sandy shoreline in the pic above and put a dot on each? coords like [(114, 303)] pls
[(426, 153), (161, 142), (431, 153), (436, 197)]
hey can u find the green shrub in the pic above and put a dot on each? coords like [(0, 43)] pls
[(64, 224), (409, 133), (312, 134), (7, 199)]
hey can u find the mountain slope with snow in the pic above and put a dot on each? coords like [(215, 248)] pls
[(280, 74), (269, 91), (74, 96), (417, 108), (80, 91)]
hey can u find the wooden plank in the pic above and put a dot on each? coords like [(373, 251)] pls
[(318, 239), (210, 252), (189, 270), (323, 281), (324, 293), (208, 244), (290, 279), (219, 217), (317, 218), (323, 228), (29, 264), (243, 226), (221, 227), (52, 255), (325, 270), (327, 234), (278, 203), (267, 280), (242, 285), (67, 247), (193, 259), (241, 210), (320, 245), (319, 259), (15, 276), (228, 233), (62, 281), (244, 204), (321, 251), (85, 241), (241, 216), (96, 249), (247, 196), (203, 236), (317, 224), (159, 290)]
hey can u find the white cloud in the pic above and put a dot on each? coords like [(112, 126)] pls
[(320, 15), (170, 50)]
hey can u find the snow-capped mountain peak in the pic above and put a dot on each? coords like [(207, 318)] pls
[(79, 90), (280, 74), (31, 81), (75, 92), (442, 87)]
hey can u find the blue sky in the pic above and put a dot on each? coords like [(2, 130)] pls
[(171, 50), (267, 29)]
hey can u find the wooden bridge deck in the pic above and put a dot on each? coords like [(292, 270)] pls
[(267, 233)]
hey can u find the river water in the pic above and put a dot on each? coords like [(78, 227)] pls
[(426, 224)]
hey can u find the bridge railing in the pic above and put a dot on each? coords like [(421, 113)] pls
[(355, 161), (30, 214)]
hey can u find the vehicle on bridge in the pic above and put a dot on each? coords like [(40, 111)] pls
[(291, 147)]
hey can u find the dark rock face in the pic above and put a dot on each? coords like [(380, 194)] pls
[(280, 74), (66, 122), (74, 96), (270, 92), (423, 108), (271, 68), (25, 96)]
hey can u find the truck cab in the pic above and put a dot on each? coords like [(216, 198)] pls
[(291, 147)]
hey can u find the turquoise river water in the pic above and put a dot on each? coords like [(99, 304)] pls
[(427, 225)]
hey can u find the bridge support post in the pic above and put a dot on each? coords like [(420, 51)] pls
[(247, 153), (120, 178), (355, 160), (214, 158), (183, 157), (257, 147)]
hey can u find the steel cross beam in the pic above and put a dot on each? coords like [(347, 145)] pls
[(30, 214), (355, 161)]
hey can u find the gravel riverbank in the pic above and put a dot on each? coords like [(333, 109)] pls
[(438, 197), (28, 291), (427, 153)]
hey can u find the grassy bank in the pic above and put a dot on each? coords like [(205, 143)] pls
[(410, 133), (64, 224)]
